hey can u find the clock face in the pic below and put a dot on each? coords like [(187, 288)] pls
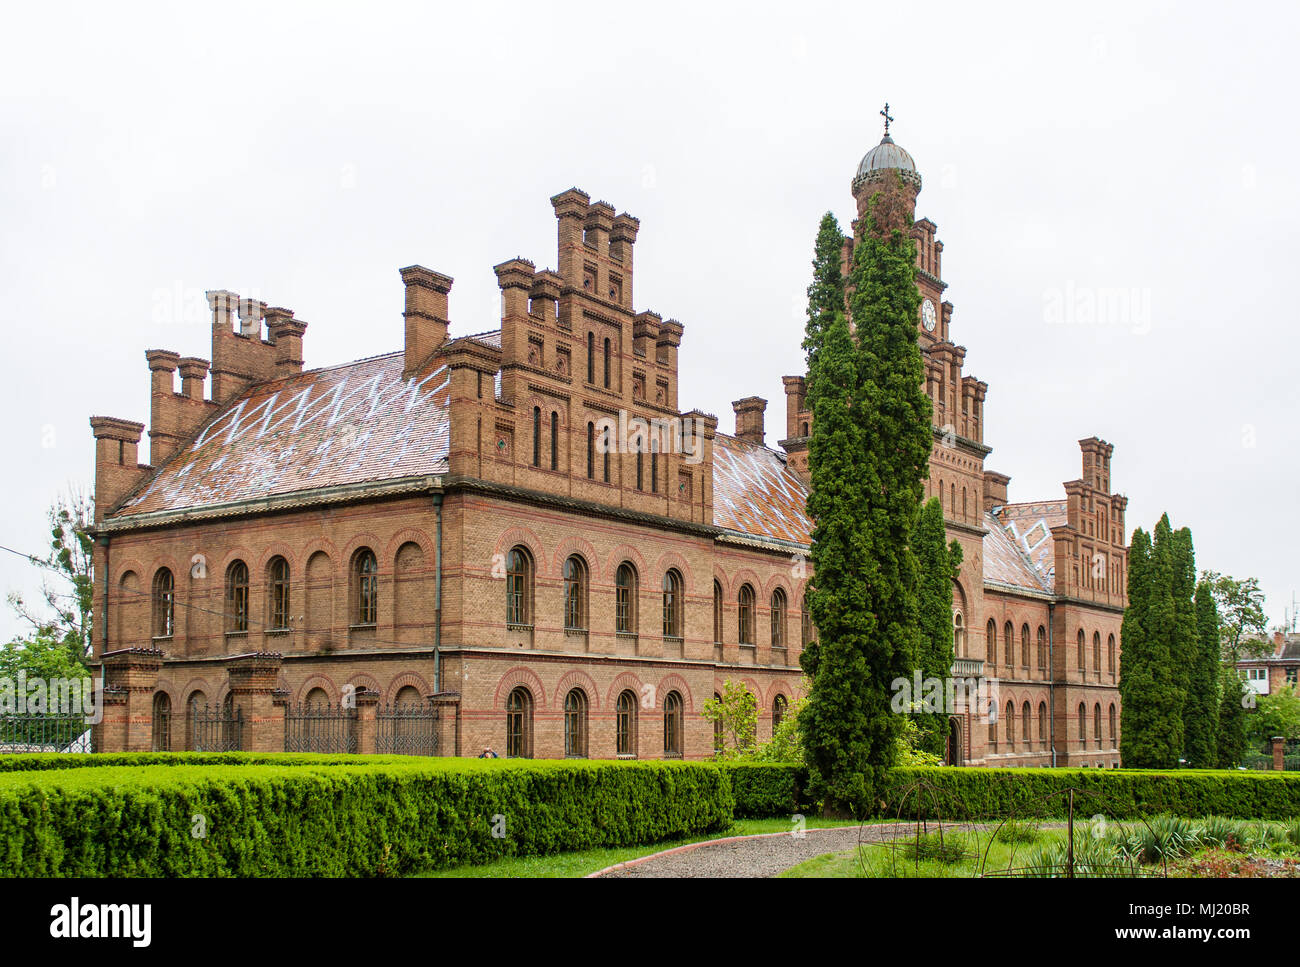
[(927, 315)]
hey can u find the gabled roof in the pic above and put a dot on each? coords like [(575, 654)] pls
[(755, 493), (348, 424), (1006, 561), (1029, 526)]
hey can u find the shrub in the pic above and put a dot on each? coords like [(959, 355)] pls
[(948, 849), (1016, 831), (317, 819), (763, 789)]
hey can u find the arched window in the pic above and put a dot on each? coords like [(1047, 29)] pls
[(778, 618), (1096, 724), (1009, 643), (365, 579), (805, 625), (164, 604), (991, 645), (591, 357), (1024, 645), (575, 594), (1110, 655), (672, 725), (625, 599), (625, 723), (1096, 655), (672, 604), (1042, 724), (958, 635), (237, 597), (555, 440), (803, 428), (575, 724), (1111, 715), (607, 357), (717, 612), (993, 726), (778, 712), (162, 722), (654, 467), (746, 616), (519, 724), (605, 456), (1011, 725), (591, 451), (196, 705), (278, 593), (1083, 725), (537, 436), (640, 470), (519, 587), (1042, 648), (1026, 732), (1082, 646)]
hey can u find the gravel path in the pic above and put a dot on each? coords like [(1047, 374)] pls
[(749, 856)]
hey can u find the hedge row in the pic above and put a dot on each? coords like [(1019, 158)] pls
[(26, 762), (1115, 793), (342, 820)]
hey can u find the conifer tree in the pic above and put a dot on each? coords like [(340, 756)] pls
[(938, 563), (1201, 712), (1183, 647), (1135, 677), (868, 457), (1232, 718)]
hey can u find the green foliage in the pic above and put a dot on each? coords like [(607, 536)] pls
[(67, 586), (948, 849), (909, 746), (1201, 710), (1241, 610), (1277, 713), (736, 711), (976, 794), (1017, 831), (764, 789), (313, 819), (1233, 740), (938, 564), (40, 657), (868, 456), (786, 744)]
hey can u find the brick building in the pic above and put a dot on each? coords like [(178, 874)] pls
[(524, 528)]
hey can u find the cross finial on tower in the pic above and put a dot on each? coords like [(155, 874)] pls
[(885, 115)]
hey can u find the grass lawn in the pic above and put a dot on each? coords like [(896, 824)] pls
[(582, 862), (1212, 847)]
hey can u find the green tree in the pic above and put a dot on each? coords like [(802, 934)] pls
[(938, 562), (39, 656), (1235, 696), (735, 714), (1201, 711), (1154, 629), (1277, 713), (1241, 614), (868, 457)]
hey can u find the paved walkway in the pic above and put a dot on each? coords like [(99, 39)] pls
[(756, 856)]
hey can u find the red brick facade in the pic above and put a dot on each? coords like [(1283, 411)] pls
[(443, 521)]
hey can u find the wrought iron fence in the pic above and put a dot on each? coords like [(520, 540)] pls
[(320, 727), (216, 729), (44, 733), (410, 729)]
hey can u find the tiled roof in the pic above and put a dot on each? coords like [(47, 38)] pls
[(1030, 527), (348, 424), (1005, 560), (754, 492)]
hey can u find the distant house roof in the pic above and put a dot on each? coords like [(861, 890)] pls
[(354, 423)]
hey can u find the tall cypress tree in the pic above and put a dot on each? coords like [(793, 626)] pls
[(938, 563), (1232, 718), (1184, 646), (1135, 678), (868, 457), (1201, 711)]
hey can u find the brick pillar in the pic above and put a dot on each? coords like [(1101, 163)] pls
[(109, 733), (130, 679), (448, 706), (253, 680), (366, 731), (1279, 746)]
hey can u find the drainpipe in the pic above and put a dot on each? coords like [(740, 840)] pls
[(437, 595), (1051, 677)]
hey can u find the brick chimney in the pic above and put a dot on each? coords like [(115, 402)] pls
[(286, 333), (749, 419), (426, 313)]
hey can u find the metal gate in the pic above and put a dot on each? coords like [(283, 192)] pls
[(320, 727), (44, 733), (408, 729), (216, 729)]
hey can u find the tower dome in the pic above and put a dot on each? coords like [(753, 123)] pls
[(886, 156)]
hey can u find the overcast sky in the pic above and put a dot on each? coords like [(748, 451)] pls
[(1142, 157)]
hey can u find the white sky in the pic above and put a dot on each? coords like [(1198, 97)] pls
[(302, 153)]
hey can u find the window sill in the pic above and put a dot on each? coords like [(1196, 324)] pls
[(363, 627), (236, 634), (517, 627), (162, 637)]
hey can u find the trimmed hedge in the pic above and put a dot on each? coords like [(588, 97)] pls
[(764, 789), (319, 819), (27, 761), (1114, 793)]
